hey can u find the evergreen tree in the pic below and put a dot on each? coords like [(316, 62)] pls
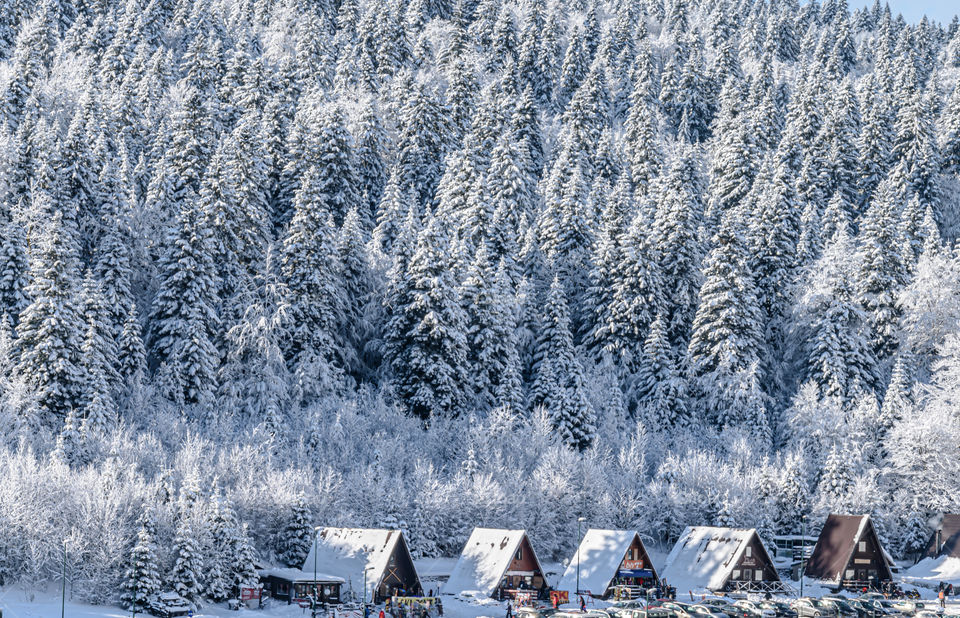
[(142, 577), (50, 330), (559, 383), (183, 318), (312, 273), (426, 337), (488, 328), (727, 336), (658, 390), (839, 358), (883, 271), (14, 270), (297, 535), (188, 565), (678, 216)]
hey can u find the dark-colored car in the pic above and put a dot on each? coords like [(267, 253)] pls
[(844, 608), (783, 610)]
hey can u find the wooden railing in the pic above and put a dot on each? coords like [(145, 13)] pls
[(761, 586)]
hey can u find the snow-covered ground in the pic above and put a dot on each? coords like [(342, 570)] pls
[(17, 603), (931, 571)]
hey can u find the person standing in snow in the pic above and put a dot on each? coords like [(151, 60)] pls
[(509, 610), (583, 604)]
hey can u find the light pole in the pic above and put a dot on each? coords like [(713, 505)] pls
[(63, 582), (580, 520), (316, 531), (803, 549)]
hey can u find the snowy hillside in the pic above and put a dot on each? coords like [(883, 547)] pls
[(436, 264)]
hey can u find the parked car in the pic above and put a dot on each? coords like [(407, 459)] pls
[(690, 610), (652, 612), (783, 610), (756, 609), (705, 611), (814, 608), (871, 608), (843, 606), (535, 612), (168, 605), (906, 606)]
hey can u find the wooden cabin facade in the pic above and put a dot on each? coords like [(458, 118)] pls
[(848, 554)]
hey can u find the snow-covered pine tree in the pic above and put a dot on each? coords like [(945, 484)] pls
[(426, 342), (183, 317), (244, 558), (658, 390), (559, 384), (142, 577), (311, 272), (678, 216), (727, 338), (50, 330), (188, 564), (297, 534), (883, 270)]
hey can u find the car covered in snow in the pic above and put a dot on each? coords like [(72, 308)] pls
[(168, 605)]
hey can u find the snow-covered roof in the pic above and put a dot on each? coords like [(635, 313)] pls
[(704, 557), (932, 571), (348, 552), (484, 561), (600, 554), (298, 575)]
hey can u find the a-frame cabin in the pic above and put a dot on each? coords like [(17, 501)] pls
[(609, 560), (848, 554)]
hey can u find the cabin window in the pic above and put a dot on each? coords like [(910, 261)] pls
[(758, 575), (519, 555), (863, 546), (749, 552), (849, 574), (736, 574)]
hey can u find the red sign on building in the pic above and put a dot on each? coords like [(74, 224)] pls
[(249, 594)]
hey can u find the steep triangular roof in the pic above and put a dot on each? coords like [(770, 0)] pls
[(484, 561), (348, 552), (704, 557), (948, 539), (836, 545), (600, 554)]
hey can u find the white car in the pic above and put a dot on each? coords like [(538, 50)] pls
[(168, 605)]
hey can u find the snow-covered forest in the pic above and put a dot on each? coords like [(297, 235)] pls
[(270, 264)]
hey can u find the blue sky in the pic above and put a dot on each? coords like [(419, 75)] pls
[(913, 10)]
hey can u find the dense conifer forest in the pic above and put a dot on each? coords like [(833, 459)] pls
[(431, 264)]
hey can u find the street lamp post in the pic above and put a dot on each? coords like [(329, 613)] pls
[(316, 596), (803, 549), (580, 520)]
